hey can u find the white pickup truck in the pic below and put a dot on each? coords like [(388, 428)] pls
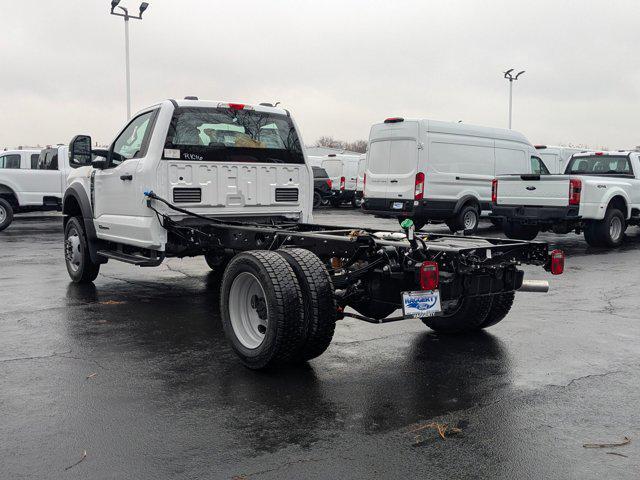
[(599, 194), (231, 182), (32, 180)]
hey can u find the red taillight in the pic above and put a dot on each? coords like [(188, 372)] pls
[(429, 275), (329, 183), (599, 154), (236, 106), (575, 189), (418, 192), (394, 120), (494, 190), (343, 183), (557, 262)]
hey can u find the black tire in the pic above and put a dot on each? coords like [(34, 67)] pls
[(317, 199), (470, 313), (466, 219), (601, 233), (80, 267), (6, 214), (217, 261), (374, 309), (500, 306), (418, 224), (284, 333), (354, 202), (320, 310), (516, 231)]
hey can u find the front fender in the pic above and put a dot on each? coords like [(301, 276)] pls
[(77, 192)]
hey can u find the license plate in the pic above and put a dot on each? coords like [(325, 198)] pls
[(397, 205), (421, 304)]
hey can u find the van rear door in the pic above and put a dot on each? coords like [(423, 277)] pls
[(392, 161)]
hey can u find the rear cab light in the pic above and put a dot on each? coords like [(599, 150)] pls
[(556, 265), (494, 191), (418, 193), (429, 275), (394, 120), (235, 106), (575, 191)]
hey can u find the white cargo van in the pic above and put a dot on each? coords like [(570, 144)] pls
[(439, 171), (362, 165), (556, 158), (343, 172)]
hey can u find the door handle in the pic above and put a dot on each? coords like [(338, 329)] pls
[(126, 177), (394, 181), (457, 178)]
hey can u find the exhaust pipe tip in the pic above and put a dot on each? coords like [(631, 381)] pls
[(535, 286)]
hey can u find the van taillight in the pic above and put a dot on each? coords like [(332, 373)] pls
[(342, 183), (557, 262), (364, 181), (494, 190), (329, 183), (419, 190), (575, 189), (429, 275)]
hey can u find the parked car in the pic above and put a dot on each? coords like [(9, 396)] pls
[(31, 180), (322, 192), (599, 194), (162, 189), (556, 158), (439, 171)]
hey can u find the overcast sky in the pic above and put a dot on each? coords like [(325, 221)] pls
[(339, 66)]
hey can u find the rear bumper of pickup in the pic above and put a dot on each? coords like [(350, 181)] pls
[(532, 215)]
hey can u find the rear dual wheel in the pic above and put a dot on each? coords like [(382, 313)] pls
[(516, 231), (608, 232), (472, 313), (277, 307)]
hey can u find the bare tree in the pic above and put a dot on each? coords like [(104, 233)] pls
[(359, 146)]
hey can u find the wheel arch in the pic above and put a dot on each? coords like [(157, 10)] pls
[(619, 201), (466, 200), (9, 194)]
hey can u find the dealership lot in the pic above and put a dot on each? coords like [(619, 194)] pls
[(136, 372)]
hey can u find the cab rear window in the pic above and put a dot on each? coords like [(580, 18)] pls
[(600, 165), (232, 135)]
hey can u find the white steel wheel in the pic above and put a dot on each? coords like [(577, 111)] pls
[(248, 310), (615, 228), (72, 252), (470, 220), (3, 214)]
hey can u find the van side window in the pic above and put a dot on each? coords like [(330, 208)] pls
[(10, 161), (538, 167), (133, 141)]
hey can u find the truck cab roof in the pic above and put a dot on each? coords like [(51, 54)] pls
[(197, 103)]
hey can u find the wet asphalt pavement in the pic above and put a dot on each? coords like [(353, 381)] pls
[(136, 372)]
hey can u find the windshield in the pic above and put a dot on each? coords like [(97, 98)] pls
[(600, 165), (229, 135)]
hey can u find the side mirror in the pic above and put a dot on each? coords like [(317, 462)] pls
[(99, 158), (80, 151)]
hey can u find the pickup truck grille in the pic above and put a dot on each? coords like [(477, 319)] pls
[(187, 195), (286, 194)]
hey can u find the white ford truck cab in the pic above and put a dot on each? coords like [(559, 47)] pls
[(32, 180), (217, 159), (598, 194)]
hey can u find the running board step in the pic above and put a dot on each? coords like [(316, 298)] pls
[(132, 259)]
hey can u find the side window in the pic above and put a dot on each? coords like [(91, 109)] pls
[(10, 161), (34, 161), (538, 167), (133, 141)]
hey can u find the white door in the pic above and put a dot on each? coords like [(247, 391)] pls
[(391, 169), (119, 204), (351, 173)]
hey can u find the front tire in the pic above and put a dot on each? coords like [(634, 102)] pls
[(80, 267), (608, 232), (468, 315), (319, 303), (6, 214), (261, 309)]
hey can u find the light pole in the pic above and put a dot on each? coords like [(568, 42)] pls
[(509, 76), (127, 16)]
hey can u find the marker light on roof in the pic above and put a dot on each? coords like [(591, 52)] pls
[(599, 153), (235, 106), (394, 120)]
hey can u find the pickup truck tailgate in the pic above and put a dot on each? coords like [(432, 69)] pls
[(534, 190)]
